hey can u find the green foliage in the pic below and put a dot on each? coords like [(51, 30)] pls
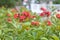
[(15, 30), (8, 3), (56, 2)]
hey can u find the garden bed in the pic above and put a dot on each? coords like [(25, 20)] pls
[(25, 25)]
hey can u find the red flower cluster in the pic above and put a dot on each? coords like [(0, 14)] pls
[(45, 13), (35, 23), (26, 14), (23, 16), (58, 16)]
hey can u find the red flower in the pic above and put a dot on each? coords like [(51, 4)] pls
[(16, 15), (49, 23), (35, 23), (25, 13), (42, 14), (48, 13), (58, 16), (42, 8), (22, 17)]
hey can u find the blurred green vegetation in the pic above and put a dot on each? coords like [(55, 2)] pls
[(56, 2), (8, 3)]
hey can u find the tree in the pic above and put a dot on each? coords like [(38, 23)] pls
[(8, 3), (56, 2)]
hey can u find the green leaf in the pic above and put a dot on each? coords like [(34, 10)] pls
[(27, 23), (55, 37)]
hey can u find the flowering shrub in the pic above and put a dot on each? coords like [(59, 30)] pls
[(25, 25)]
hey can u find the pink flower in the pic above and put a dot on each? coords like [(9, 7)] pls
[(43, 9)]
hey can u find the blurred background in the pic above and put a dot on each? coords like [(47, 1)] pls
[(10, 3), (30, 4)]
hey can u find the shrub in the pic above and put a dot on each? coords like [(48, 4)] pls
[(57, 2), (28, 26), (7, 3)]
